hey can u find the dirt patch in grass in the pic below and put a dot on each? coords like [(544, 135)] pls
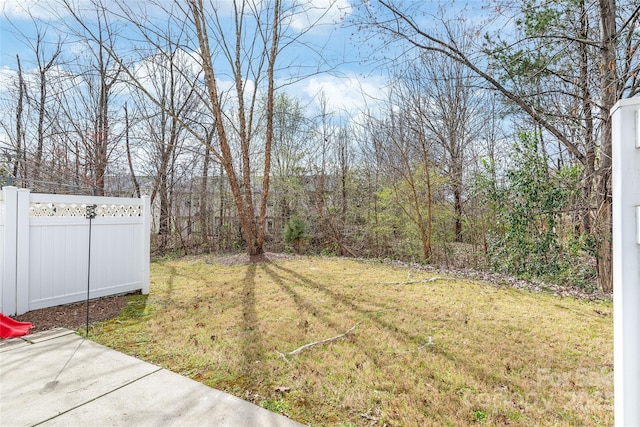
[(427, 348), (243, 258)]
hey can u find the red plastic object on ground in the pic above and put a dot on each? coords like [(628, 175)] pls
[(10, 328)]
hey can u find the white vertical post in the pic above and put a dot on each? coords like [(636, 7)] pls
[(626, 261), (10, 196), (146, 247), (22, 251), (2, 245)]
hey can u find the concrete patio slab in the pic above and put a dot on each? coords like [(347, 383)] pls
[(47, 335), (61, 379), (189, 402), (12, 343)]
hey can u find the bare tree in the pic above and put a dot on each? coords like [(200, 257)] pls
[(205, 219), (127, 128), (108, 75), (265, 41), (407, 157), (448, 103), (370, 160), (44, 64), (161, 127), (14, 148), (331, 183), (343, 166), (18, 164), (291, 143), (320, 168)]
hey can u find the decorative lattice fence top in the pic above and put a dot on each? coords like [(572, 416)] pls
[(79, 210)]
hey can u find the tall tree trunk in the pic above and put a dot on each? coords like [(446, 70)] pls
[(222, 205), (457, 208), (164, 221), (456, 178), (40, 132), (609, 89), (203, 213), (102, 126), (427, 233), (17, 163), (344, 170), (101, 150), (241, 190), (587, 113), (136, 186), (273, 51)]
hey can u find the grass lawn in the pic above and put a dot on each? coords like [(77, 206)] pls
[(445, 351)]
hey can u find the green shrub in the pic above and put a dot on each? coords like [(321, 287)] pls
[(295, 233), (529, 236)]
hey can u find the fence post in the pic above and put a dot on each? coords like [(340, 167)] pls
[(22, 251), (10, 197), (626, 261), (146, 247)]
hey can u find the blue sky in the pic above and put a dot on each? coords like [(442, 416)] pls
[(343, 84), (351, 82)]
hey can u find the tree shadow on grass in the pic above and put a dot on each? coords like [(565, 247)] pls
[(167, 295), (303, 305), (416, 341), (252, 345), (398, 333), (135, 309)]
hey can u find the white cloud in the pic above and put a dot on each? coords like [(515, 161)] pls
[(7, 77), (57, 76), (149, 72), (348, 95), (306, 14), (37, 9)]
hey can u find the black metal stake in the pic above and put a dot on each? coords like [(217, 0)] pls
[(90, 215)]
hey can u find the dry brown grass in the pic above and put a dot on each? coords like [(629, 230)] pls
[(441, 352)]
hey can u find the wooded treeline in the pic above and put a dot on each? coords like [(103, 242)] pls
[(488, 148)]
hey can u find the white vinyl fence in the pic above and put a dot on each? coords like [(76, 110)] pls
[(44, 248), (626, 261)]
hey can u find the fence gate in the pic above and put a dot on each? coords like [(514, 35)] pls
[(44, 245), (626, 261)]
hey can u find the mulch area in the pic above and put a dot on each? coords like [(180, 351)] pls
[(74, 316)]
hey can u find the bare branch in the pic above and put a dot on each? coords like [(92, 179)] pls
[(321, 342)]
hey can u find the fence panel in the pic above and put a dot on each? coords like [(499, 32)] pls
[(52, 249), (8, 256)]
